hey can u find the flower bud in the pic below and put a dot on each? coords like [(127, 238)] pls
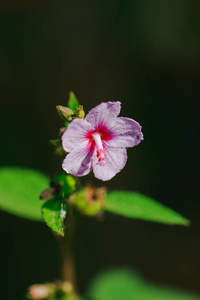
[(89, 201), (65, 112), (41, 291), (80, 112)]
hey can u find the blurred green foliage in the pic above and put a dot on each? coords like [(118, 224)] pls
[(20, 189), (123, 284), (19, 192), (136, 205)]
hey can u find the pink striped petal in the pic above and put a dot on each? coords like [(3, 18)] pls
[(114, 162), (126, 133), (104, 113), (74, 136), (78, 162)]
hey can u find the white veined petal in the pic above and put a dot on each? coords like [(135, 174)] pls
[(75, 134), (115, 161), (78, 162)]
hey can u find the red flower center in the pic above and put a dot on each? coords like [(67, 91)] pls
[(96, 139)]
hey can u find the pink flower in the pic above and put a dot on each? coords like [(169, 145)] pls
[(99, 142)]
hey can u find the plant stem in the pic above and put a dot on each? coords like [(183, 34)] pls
[(68, 263)]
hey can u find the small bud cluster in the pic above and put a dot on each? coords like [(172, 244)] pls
[(68, 114), (51, 290), (41, 291)]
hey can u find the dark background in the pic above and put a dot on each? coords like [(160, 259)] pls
[(146, 55)]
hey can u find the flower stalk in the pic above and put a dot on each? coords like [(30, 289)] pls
[(67, 258)]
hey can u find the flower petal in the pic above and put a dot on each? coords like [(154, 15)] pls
[(126, 133), (103, 113), (114, 162), (78, 162), (74, 136)]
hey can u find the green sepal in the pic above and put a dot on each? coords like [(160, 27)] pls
[(66, 124), (67, 183), (73, 102), (59, 149), (56, 143), (60, 152), (54, 212)]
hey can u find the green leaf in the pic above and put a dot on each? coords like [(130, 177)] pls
[(135, 205), (19, 192), (53, 212), (123, 284), (73, 102)]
